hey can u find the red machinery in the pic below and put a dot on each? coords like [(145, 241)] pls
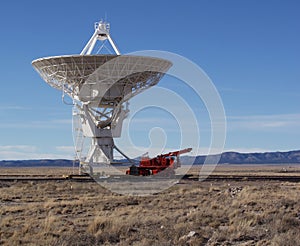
[(168, 162)]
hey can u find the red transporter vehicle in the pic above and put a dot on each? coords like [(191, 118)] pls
[(168, 162)]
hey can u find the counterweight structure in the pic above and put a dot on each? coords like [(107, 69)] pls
[(100, 87)]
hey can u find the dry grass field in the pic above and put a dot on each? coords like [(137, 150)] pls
[(189, 213)]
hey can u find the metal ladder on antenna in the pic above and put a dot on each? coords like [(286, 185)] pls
[(78, 136)]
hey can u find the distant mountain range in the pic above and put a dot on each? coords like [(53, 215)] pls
[(249, 158), (38, 163), (226, 158)]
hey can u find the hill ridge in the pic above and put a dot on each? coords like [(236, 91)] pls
[(230, 157)]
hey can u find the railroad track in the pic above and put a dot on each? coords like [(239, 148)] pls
[(45, 178), (86, 178), (246, 178)]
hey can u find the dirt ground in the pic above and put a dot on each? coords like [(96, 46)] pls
[(189, 213)]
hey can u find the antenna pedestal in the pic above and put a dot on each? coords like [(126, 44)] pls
[(101, 150)]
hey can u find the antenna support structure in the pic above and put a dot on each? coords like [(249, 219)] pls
[(100, 86), (101, 33)]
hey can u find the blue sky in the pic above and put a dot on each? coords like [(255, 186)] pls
[(249, 49)]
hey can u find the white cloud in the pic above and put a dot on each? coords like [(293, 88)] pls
[(15, 155), (65, 149), (29, 152), (22, 148), (57, 123), (264, 122), (248, 150)]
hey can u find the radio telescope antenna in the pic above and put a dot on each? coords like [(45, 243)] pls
[(100, 87)]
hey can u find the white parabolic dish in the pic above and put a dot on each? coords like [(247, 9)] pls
[(101, 79)]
